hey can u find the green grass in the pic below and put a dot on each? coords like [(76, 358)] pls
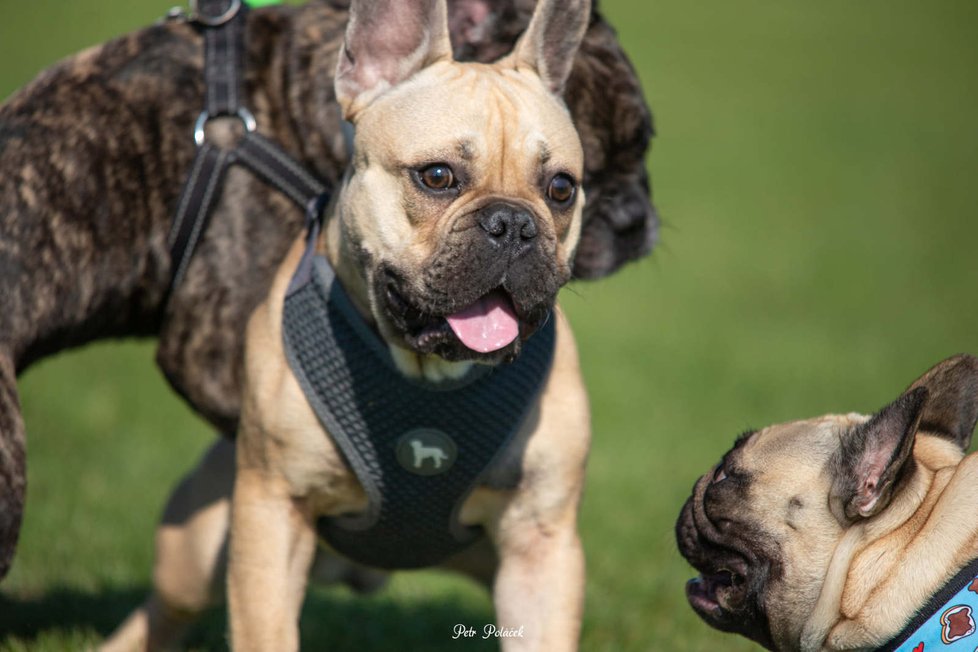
[(815, 170)]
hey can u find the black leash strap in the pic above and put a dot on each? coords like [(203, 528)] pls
[(223, 23)]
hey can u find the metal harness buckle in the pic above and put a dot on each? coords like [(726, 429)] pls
[(243, 114)]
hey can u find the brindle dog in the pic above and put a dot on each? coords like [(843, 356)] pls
[(94, 151)]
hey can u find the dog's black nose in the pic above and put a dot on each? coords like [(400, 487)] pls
[(508, 226)]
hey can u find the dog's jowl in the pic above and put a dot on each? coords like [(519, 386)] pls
[(93, 154), (846, 532)]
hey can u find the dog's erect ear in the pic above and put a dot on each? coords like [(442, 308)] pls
[(551, 40), (873, 456), (613, 119), (952, 409), (386, 42)]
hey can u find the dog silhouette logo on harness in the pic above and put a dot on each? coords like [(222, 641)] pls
[(422, 452), (426, 451)]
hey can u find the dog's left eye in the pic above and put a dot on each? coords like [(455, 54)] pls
[(719, 475), (437, 177), (561, 189)]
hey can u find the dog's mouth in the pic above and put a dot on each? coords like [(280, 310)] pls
[(488, 324), (727, 598), (716, 595), (734, 562), (490, 329), (720, 591)]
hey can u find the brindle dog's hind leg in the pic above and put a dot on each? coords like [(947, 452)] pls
[(13, 467)]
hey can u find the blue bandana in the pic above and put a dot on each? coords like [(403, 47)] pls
[(948, 623)]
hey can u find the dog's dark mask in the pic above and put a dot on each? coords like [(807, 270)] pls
[(498, 254), (735, 557)]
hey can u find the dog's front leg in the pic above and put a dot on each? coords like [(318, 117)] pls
[(539, 587), (272, 547)]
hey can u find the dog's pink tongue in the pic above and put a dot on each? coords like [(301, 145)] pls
[(487, 325)]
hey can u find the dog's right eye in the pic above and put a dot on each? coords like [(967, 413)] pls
[(437, 177)]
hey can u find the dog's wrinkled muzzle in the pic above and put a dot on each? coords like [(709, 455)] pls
[(732, 573), (487, 289)]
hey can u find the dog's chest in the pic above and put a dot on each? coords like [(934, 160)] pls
[(417, 451)]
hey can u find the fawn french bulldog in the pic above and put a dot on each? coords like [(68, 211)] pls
[(834, 533), (442, 254)]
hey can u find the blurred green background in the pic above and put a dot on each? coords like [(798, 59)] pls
[(816, 169)]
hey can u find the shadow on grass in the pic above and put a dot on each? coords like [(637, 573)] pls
[(66, 609), (66, 616), (330, 618)]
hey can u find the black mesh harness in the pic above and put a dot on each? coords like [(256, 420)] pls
[(418, 449)]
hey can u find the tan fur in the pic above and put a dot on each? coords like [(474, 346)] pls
[(853, 588), (507, 126), (917, 556), (511, 116), (286, 464)]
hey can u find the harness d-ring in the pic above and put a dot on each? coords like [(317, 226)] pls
[(243, 114), (213, 21)]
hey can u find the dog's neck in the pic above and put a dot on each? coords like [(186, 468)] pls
[(342, 256), (898, 569)]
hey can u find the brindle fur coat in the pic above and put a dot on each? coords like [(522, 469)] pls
[(94, 151)]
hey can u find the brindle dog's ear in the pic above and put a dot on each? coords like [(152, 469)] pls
[(386, 42), (874, 456), (613, 119), (551, 40), (952, 409)]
